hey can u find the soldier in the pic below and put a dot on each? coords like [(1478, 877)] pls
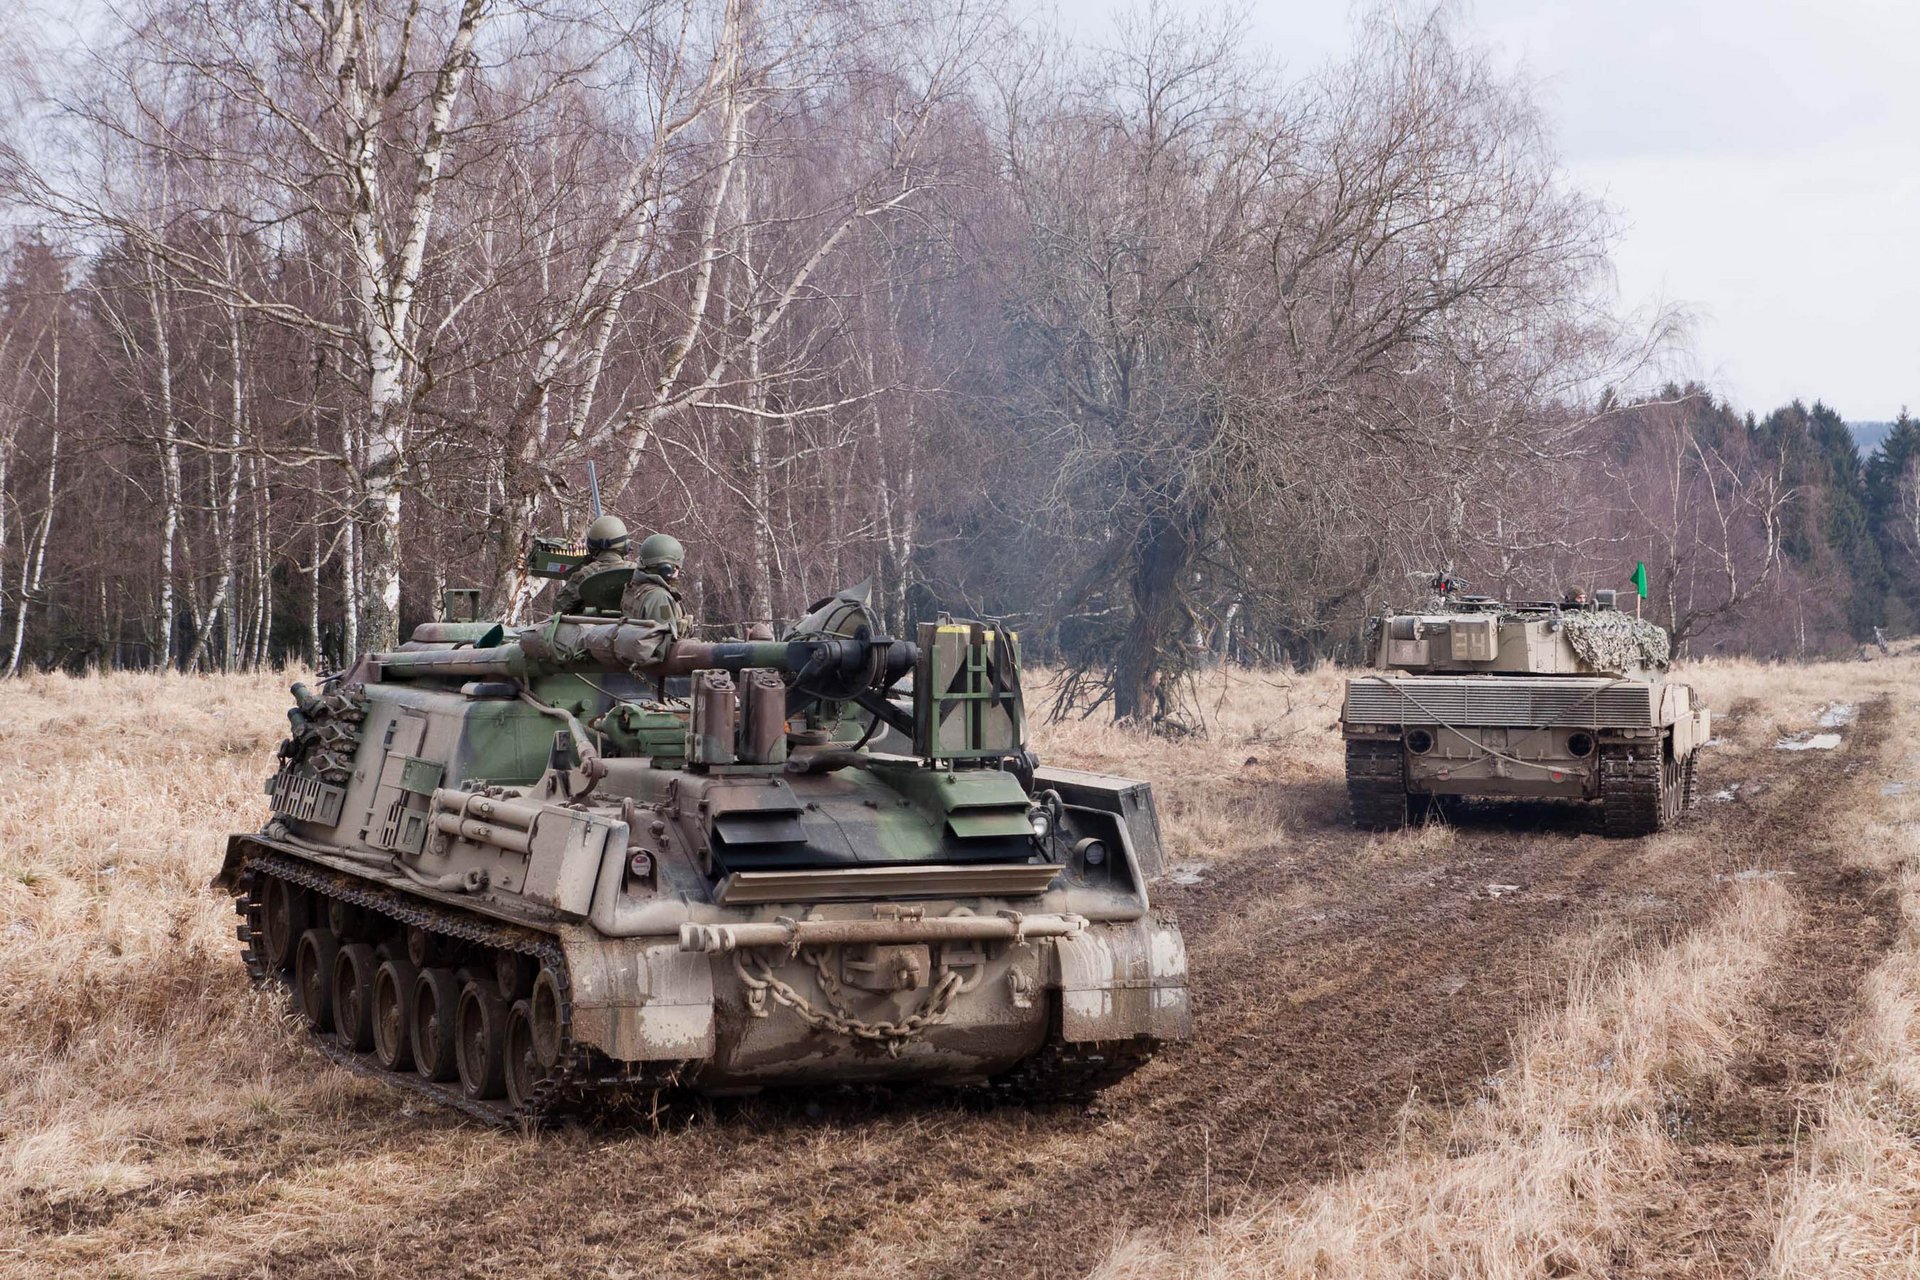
[(1576, 598), (651, 594), (607, 545)]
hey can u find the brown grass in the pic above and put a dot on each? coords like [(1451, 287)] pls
[(128, 1030)]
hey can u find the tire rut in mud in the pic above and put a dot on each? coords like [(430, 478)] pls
[(1738, 1141)]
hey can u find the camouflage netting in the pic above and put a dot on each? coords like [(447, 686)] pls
[(1615, 642)]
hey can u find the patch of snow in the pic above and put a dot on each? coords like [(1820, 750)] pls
[(1836, 714), (1808, 742), (1715, 741), (1185, 873), (1893, 788), (1725, 794), (1501, 890), (1753, 873)]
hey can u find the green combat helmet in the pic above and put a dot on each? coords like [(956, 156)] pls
[(609, 533), (662, 549)]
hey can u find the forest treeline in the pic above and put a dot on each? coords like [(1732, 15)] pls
[(314, 309)]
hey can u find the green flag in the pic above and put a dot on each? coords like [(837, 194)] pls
[(1640, 578)]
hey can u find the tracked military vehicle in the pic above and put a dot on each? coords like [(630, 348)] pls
[(516, 871), (1476, 698)]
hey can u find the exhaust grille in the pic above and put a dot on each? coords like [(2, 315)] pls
[(1504, 700)]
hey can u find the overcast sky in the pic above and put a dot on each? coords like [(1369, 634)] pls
[(1763, 158)]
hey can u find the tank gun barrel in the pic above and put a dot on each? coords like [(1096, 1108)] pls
[(645, 649)]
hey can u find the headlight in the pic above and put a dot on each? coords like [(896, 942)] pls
[(1040, 822), (1092, 852)]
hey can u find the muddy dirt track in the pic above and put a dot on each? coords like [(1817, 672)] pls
[(1337, 979)]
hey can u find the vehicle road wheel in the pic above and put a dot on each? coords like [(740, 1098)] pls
[(283, 918), (313, 977), (436, 997), (480, 1034), (513, 974), (393, 984), (348, 922), (353, 971), (546, 1014), (524, 1068)]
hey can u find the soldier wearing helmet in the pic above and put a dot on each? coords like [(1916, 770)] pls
[(606, 549), (652, 595)]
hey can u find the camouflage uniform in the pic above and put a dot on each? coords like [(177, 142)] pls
[(650, 596)]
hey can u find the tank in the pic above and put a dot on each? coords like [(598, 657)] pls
[(589, 864), (1477, 698)]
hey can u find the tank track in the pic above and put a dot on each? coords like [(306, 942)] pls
[(1632, 792), (1376, 785), (582, 1082), (1064, 1072)]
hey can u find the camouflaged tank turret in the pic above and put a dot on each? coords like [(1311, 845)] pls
[(1477, 698), (589, 861)]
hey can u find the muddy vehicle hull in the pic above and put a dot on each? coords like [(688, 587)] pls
[(1628, 747)]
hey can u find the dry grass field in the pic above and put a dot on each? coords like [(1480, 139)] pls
[(1501, 1046)]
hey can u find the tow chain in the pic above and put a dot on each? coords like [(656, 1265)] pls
[(761, 981)]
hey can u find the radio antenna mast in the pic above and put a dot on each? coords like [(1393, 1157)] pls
[(593, 482)]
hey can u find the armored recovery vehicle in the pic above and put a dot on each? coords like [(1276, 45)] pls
[(1474, 697), (511, 871)]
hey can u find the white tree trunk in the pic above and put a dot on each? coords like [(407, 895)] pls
[(169, 447), (34, 574), (226, 522)]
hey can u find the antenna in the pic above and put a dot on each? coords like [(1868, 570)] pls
[(593, 482)]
